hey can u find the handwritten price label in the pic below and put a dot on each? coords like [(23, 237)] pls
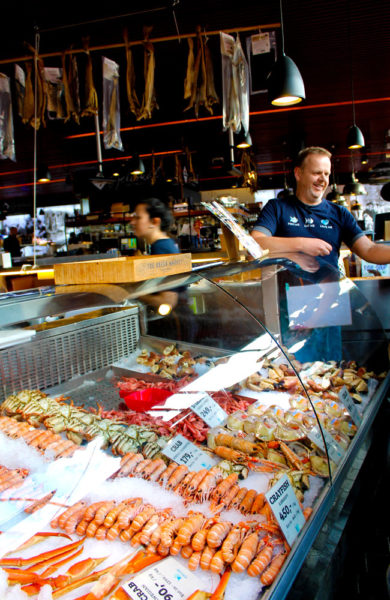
[(349, 404), (335, 451), (175, 582), (186, 453), (207, 409), (286, 509)]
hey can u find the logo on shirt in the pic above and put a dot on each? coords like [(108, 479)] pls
[(325, 224), (309, 222), (293, 221)]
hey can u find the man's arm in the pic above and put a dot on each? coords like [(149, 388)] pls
[(370, 251), (311, 246)]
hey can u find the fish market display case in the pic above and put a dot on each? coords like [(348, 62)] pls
[(273, 370)]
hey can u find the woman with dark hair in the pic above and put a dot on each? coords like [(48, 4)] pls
[(151, 220)]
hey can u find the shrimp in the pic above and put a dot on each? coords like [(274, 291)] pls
[(162, 550), (155, 476), (91, 510), (257, 503), (217, 563), (103, 511), (206, 557), (168, 531), (232, 542), (67, 513), (73, 520), (190, 526), (217, 533), (137, 471), (260, 561), (130, 464), (194, 561), (246, 553), (233, 456), (82, 526), (224, 486), (198, 541), (247, 502), (269, 574), (101, 533), (114, 512), (128, 513), (151, 467), (238, 498), (148, 528), (227, 499), (175, 548), (186, 551), (182, 486), (91, 527), (208, 483), (178, 474), (165, 475), (138, 522), (195, 481)]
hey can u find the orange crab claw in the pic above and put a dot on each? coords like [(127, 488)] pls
[(219, 591), (39, 558)]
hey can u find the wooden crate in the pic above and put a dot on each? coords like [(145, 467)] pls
[(125, 269)]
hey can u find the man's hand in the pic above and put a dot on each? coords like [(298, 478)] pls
[(315, 247)]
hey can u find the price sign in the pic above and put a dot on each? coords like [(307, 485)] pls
[(286, 509), (349, 404), (207, 409), (261, 43), (186, 453), (335, 451), (172, 581)]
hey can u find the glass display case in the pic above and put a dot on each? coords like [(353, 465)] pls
[(241, 392)]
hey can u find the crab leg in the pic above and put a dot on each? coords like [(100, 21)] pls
[(33, 560)]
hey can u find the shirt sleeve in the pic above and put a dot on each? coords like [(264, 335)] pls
[(350, 229), (268, 220)]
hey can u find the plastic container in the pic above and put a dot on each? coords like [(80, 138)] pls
[(142, 400)]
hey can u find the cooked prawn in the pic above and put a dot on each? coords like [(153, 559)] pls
[(207, 555), (260, 562), (246, 553), (232, 543), (169, 529), (246, 503), (194, 561), (178, 474), (269, 574), (217, 533), (189, 527), (217, 563), (224, 486)]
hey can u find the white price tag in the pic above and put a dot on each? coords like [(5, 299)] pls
[(260, 43), (170, 581), (207, 409), (285, 506), (349, 404), (186, 453), (335, 451)]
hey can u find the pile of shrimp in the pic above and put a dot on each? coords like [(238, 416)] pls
[(11, 478), (42, 440), (194, 486), (206, 542)]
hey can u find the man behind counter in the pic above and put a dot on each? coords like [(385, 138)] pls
[(309, 223)]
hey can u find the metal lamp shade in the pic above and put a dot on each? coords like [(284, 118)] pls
[(137, 166), (355, 138), (244, 140), (285, 83), (354, 188)]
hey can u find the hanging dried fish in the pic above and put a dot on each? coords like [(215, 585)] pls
[(7, 142), (149, 102), (71, 87), (111, 105), (190, 167), (28, 103), (199, 83), (55, 93), (235, 84), (20, 87), (130, 78), (91, 99), (190, 74), (38, 113), (249, 171)]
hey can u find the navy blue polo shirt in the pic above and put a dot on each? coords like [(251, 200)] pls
[(327, 221), (164, 246)]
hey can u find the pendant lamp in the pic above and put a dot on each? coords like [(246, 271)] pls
[(355, 138), (244, 140), (285, 83), (354, 187), (43, 174), (137, 166)]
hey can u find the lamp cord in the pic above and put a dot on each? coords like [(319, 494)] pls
[(351, 62), (37, 39), (281, 24)]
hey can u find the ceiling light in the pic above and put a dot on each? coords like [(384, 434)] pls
[(355, 138), (334, 195), (364, 159), (244, 140), (285, 83), (137, 166), (43, 174), (354, 187)]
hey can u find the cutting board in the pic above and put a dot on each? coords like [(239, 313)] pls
[(124, 269)]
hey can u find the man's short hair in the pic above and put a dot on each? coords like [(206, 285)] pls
[(311, 150)]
